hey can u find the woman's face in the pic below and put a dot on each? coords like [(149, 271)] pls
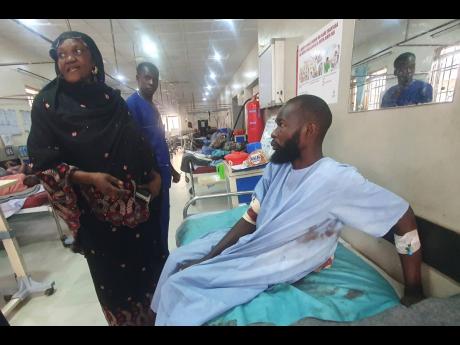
[(74, 60)]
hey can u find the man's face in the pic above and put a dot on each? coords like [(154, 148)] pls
[(147, 81), (404, 71), (286, 136)]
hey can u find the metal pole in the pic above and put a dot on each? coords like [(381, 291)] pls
[(113, 42)]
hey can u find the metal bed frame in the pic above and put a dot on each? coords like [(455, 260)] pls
[(193, 200)]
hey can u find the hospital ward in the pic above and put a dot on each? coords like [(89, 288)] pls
[(229, 172)]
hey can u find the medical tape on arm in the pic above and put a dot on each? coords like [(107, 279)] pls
[(407, 244), (251, 214)]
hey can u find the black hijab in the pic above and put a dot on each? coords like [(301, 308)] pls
[(87, 125)]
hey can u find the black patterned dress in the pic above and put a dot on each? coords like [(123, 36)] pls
[(88, 127)]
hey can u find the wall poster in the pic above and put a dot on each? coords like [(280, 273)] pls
[(318, 63)]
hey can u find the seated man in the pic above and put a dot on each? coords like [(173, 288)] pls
[(291, 228), (408, 91)]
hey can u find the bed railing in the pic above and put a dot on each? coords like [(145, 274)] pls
[(211, 196)]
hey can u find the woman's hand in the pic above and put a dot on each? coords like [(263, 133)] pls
[(154, 186), (107, 184)]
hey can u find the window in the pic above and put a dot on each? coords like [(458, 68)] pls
[(30, 94), (375, 85), (444, 70), (165, 122), (354, 91), (173, 123), (366, 92)]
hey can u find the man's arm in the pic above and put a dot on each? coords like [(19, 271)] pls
[(411, 263), (427, 94), (240, 229), (245, 226)]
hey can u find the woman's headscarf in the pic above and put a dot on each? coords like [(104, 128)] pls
[(86, 124)]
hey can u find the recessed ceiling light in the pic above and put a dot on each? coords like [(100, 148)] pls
[(236, 86), (204, 98), (212, 76), (206, 93), (120, 77), (209, 87)]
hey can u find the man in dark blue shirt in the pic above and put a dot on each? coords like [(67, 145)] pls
[(146, 114), (408, 91)]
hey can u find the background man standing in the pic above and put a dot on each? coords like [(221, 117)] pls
[(408, 91), (146, 114)]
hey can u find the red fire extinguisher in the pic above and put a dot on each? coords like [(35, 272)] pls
[(255, 123)]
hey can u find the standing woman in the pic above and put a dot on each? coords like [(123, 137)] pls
[(92, 159)]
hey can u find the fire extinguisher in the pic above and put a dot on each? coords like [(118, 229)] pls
[(255, 122)]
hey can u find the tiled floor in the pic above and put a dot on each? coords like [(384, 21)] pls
[(75, 301)]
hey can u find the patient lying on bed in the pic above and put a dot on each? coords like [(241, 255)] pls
[(290, 230), (22, 183)]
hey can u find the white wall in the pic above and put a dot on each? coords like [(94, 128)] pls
[(412, 151), (13, 83), (249, 64)]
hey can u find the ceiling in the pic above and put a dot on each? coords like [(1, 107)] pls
[(186, 51), (369, 30)]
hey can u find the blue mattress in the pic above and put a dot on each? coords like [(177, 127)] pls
[(350, 290)]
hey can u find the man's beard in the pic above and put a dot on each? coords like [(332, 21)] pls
[(289, 153)]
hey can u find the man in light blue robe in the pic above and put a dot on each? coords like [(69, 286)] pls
[(290, 230)]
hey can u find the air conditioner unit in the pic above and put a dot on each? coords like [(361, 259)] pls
[(271, 74)]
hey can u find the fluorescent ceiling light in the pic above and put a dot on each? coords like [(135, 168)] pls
[(230, 24), (150, 48), (209, 87), (204, 98), (206, 93), (31, 91), (217, 56), (33, 22), (212, 76), (250, 74), (236, 86), (120, 77)]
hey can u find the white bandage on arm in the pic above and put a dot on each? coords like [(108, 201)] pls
[(407, 244), (251, 214)]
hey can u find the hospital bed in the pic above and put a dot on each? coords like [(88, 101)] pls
[(353, 291), (26, 285), (35, 201), (199, 172)]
